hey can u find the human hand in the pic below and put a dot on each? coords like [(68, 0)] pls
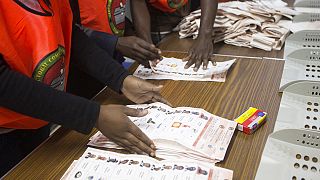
[(140, 91), (200, 52), (113, 122), (139, 50)]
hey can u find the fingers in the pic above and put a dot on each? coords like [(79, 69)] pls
[(197, 64), (189, 63), (117, 141), (136, 141), (191, 60), (149, 55), (213, 60), (205, 63), (127, 144), (155, 62), (134, 112), (140, 139), (149, 50), (156, 97), (141, 59), (187, 58), (146, 86), (149, 47)]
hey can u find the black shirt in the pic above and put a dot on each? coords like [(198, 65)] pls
[(29, 97)]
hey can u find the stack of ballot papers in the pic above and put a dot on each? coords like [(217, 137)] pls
[(186, 133), (173, 68), (97, 164), (246, 24)]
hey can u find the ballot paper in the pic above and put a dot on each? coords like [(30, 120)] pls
[(173, 68), (67, 173), (245, 24), (97, 164), (181, 133)]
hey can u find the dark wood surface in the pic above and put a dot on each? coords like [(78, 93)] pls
[(250, 82)]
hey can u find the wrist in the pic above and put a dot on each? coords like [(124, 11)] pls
[(118, 44), (99, 118), (126, 81), (205, 35)]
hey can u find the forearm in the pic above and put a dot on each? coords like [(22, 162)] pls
[(105, 41), (32, 98), (208, 15), (95, 61), (141, 19)]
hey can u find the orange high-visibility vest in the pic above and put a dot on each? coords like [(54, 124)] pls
[(167, 5), (35, 40), (103, 15)]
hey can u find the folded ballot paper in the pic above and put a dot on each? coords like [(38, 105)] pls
[(186, 133), (244, 23), (97, 164), (173, 68)]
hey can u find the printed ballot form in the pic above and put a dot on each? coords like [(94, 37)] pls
[(104, 165), (181, 133), (173, 68)]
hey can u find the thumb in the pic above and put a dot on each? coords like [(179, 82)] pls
[(154, 88), (146, 86), (135, 112)]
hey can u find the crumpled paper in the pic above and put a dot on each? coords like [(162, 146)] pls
[(245, 24)]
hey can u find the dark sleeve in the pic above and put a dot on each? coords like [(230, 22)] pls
[(104, 40), (95, 61), (29, 97)]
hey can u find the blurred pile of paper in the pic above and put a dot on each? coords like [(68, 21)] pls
[(191, 134), (246, 24), (97, 164)]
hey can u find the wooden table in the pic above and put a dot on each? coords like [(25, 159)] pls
[(250, 82)]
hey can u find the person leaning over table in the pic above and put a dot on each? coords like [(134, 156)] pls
[(104, 22), (161, 16), (37, 42)]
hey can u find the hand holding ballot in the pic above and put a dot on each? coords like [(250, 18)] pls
[(114, 123), (182, 132), (140, 91), (174, 68), (200, 54)]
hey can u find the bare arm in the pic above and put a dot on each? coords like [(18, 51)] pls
[(202, 49), (141, 19)]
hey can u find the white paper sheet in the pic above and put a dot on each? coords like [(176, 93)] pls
[(173, 68), (183, 132), (97, 164)]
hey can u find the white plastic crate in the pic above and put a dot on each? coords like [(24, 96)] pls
[(306, 17), (301, 40), (292, 154), (307, 3), (301, 65), (300, 107)]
